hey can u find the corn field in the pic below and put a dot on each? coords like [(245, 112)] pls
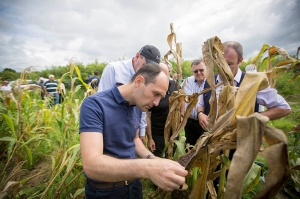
[(40, 151)]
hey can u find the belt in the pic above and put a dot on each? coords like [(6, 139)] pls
[(109, 185)]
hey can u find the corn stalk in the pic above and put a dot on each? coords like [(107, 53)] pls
[(235, 127)]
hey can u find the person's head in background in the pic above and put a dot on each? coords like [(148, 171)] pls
[(198, 69), (233, 54), (174, 76), (148, 54), (51, 78), (251, 68), (165, 68)]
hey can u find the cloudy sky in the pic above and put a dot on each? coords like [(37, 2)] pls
[(45, 33)]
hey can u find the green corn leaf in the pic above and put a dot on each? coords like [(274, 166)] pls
[(79, 77), (53, 161), (252, 178), (29, 154), (74, 155), (10, 123), (63, 162), (75, 115), (77, 88), (78, 192), (8, 139), (225, 160), (195, 174), (180, 150)]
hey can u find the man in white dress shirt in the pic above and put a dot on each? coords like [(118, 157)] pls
[(194, 84), (120, 72), (276, 105)]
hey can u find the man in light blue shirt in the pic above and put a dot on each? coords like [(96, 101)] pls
[(194, 84), (120, 72)]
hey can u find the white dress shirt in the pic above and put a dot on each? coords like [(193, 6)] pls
[(267, 97), (118, 73), (191, 87)]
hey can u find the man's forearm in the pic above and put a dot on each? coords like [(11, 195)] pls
[(276, 113), (109, 169), (141, 150), (148, 128)]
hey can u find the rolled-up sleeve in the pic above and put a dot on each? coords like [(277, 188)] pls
[(200, 101), (270, 98), (143, 124)]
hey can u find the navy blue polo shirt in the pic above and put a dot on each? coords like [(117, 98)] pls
[(107, 112)]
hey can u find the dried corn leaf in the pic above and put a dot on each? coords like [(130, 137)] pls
[(277, 159), (226, 99), (200, 192), (249, 138), (246, 95)]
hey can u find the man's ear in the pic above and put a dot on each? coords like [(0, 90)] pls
[(240, 61), (139, 81)]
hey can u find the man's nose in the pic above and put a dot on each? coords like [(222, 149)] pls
[(156, 101)]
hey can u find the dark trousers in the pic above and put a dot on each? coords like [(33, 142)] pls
[(131, 191), (61, 98), (193, 131), (159, 145)]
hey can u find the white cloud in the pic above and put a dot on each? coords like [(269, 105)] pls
[(43, 33)]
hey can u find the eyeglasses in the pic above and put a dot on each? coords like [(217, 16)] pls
[(200, 70)]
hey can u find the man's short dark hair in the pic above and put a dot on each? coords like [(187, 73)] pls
[(96, 73), (236, 46), (149, 72), (196, 62)]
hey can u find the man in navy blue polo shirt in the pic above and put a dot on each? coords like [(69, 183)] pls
[(109, 122)]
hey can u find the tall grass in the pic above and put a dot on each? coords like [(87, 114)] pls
[(34, 133)]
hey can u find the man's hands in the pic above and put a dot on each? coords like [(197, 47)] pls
[(151, 145), (167, 174), (203, 121), (143, 138)]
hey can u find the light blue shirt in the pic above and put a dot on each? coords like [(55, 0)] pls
[(117, 73), (191, 87), (267, 97)]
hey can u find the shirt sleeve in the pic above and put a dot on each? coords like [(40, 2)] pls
[(200, 101), (143, 124), (91, 117), (107, 79), (270, 98)]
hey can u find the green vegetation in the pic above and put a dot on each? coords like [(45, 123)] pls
[(40, 153)]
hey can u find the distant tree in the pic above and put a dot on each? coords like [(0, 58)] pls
[(9, 75), (9, 69)]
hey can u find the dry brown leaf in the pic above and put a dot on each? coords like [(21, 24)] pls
[(249, 138)]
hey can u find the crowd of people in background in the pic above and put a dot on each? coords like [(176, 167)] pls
[(5, 86)]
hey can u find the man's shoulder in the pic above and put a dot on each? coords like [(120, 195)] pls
[(190, 80), (118, 64)]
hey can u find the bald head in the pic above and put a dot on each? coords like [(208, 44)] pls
[(165, 68)]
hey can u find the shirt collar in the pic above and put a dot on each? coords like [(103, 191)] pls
[(237, 77), (119, 98), (196, 80)]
